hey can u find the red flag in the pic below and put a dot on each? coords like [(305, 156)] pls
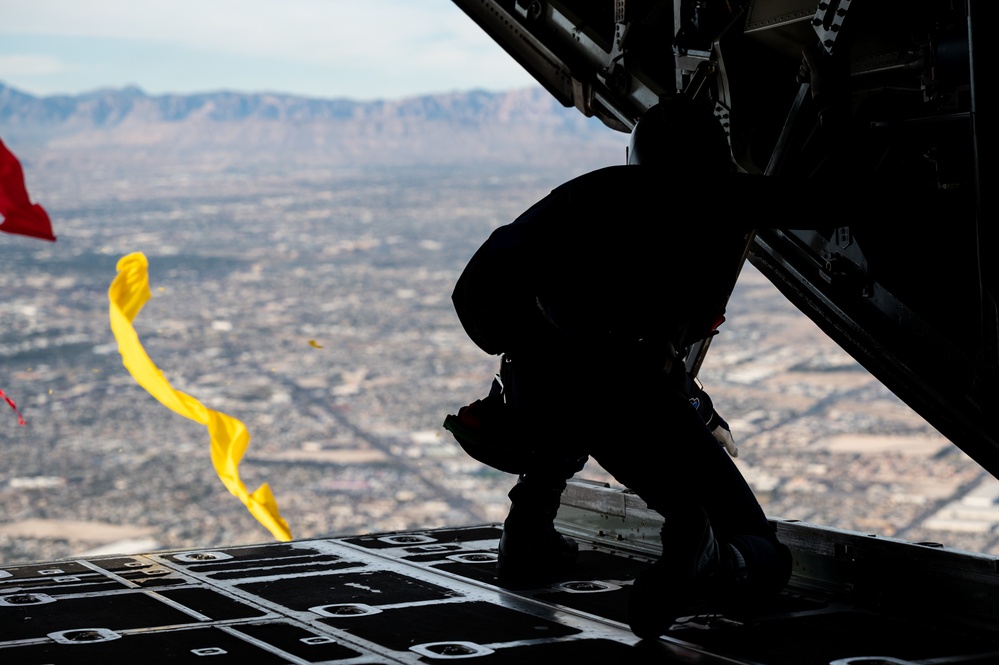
[(20, 215)]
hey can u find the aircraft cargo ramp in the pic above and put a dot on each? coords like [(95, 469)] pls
[(432, 596)]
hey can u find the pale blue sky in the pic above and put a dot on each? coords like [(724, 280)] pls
[(359, 49)]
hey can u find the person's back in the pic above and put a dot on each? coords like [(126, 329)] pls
[(601, 260)]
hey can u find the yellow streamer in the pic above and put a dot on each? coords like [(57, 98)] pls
[(128, 293)]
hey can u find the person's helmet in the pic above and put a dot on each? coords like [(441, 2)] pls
[(682, 135)]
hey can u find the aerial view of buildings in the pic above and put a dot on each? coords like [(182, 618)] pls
[(313, 304)]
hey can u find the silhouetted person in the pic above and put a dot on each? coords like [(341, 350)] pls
[(593, 297)]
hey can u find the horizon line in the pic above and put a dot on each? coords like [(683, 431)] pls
[(138, 88)]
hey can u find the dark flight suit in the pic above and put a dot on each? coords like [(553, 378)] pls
[(590, 295)]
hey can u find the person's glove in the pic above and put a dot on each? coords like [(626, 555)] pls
[(723, 433), (712, 420)]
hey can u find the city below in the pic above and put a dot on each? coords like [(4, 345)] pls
[(313, 304)]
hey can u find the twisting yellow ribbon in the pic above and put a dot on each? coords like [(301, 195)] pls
[(128, 293)]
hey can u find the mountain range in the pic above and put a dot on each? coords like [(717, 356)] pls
[(520, 126)]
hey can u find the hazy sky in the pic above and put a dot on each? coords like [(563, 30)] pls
[(360, 49)]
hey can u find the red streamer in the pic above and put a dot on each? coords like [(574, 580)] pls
[(20, 419)]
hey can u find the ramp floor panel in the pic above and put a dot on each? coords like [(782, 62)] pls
[(415, 597)]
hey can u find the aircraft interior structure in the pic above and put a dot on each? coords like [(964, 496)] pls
[(891, 103)]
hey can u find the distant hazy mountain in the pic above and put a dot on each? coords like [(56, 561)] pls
[(508, 127)]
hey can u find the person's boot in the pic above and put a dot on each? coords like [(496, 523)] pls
[(694, 567), (530, 549)]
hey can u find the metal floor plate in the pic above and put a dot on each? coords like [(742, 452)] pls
[(415, 597)]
